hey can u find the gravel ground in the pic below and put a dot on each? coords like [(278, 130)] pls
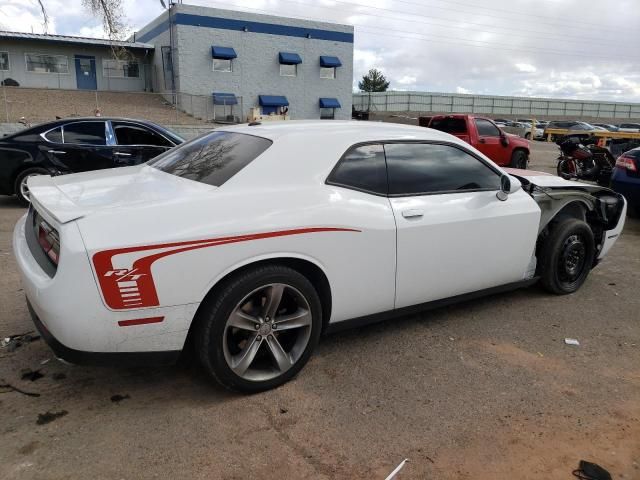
[(482, 390)]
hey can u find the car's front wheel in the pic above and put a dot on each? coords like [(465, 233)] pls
[(566, 256), (258, 329)]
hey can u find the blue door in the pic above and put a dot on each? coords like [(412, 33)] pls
[(86, 72)]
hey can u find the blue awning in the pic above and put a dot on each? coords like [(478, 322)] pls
[(224, 99), (290, 58), (273, 101), (330, 61), (226, 53), (329, 103)]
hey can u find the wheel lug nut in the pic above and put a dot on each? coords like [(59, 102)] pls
[(267, 319), (257, 326), (258, 338), (274, 326)]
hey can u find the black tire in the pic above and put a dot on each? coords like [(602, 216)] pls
[(566, 169), (566, 256), (21, 176), (519, 159), (211, 321), (527, 136)]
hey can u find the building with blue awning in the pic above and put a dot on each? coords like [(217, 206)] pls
[(249, 64)]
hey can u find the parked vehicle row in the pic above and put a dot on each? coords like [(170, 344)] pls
[(78, 145), (233, 242)]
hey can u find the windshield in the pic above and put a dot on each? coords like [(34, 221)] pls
[(213, 158)]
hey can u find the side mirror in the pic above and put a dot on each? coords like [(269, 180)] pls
[(504, 140), (505, 188)]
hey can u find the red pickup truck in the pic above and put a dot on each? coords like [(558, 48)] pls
[(505, 149)]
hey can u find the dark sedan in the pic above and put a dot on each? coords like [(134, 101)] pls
[(78, 145)]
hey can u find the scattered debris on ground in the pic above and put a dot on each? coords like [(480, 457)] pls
[(44, 418), (393, 474), (572, 341), (11, 388), (119, 398), (284, 410), (13, 342), (591, 471), (31, 375)]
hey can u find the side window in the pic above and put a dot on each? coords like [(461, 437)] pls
[(54, 136), (85, 133), (361, 168), (419, 168), (486, 128), (129, 134)]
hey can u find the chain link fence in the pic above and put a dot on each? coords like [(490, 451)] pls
[(34, 105), (541, 108)]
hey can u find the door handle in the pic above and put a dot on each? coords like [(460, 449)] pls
[(56, 152), (412, 213), (482, 140), (122, 154)]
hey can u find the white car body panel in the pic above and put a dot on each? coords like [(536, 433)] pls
[(139, 243), (463, 243)]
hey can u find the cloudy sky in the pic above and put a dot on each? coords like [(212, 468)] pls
[(586, 49)]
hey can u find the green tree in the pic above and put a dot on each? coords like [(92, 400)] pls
[(373, 81)]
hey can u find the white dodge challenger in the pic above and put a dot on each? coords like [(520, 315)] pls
[(250, 241)]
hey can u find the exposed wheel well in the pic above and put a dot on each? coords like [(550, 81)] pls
[(313, 273), (573, 210)]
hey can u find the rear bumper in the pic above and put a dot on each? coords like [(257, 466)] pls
[(101, 358)]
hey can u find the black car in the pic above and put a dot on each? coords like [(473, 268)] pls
[(78, 145)]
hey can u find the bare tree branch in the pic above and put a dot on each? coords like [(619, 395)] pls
[(45, 17)]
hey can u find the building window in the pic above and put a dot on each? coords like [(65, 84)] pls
[(327, 113), (327, 72), (4, 61), (222, 65), (38, 63), (288, 70), (120, 68)]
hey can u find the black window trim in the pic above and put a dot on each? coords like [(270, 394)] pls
[(328, 180)]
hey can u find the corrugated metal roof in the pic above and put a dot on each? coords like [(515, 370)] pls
[(102, 42)]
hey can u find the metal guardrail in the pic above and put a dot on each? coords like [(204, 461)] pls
[(550, 132)]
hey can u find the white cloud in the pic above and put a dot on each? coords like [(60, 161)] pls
[(462, 90), (526, 68), (481, 49), (407, 80)]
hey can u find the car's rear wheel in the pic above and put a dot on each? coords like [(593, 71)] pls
[(21, 189), (519, 159), (258, 329), (566, 256)]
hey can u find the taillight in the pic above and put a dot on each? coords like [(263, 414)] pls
[(627, 163), (49, 240)]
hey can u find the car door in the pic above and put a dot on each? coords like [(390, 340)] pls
[(137, 143), (490, 142), (454, 236), (83, 147)]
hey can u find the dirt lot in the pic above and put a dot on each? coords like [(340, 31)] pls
[(481, 390)]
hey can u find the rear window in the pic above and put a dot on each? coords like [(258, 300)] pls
[(449, 125), (212, 159)]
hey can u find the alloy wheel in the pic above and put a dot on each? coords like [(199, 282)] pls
[(267, 332)]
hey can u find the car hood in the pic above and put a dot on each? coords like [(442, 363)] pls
[(547, 180), (69, 197)]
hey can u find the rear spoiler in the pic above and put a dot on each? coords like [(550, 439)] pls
[(47, 198)]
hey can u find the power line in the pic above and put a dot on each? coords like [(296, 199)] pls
[(539, 33), (427, 37), (508, 12)]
